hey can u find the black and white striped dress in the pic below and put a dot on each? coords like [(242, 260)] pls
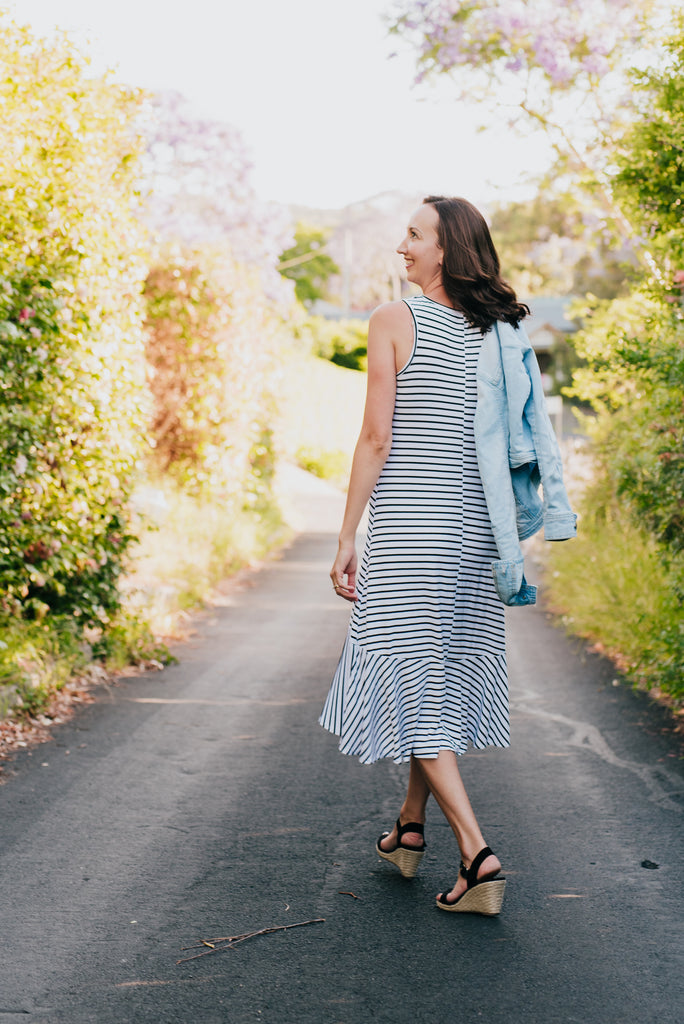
[(423, 667)]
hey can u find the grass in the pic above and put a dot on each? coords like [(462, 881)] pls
[(610, 586), (196, 544)]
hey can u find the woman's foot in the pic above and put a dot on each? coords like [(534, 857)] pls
[(390, 840), (404, 847), (487, 869)]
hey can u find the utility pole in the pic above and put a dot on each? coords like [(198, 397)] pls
[(347, 271)]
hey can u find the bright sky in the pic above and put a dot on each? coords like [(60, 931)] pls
[(327, 116)]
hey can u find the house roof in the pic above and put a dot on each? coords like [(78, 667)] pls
[(548, 311)]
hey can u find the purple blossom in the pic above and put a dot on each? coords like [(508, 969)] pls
[(198, 173), (563, 41), (596, 64)]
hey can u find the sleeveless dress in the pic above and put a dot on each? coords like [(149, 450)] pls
[(423, 667)]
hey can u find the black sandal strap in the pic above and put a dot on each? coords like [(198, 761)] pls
[(471, 873), (411, 826), (444, 901)]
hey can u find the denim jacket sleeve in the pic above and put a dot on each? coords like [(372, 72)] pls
[(517, 451)]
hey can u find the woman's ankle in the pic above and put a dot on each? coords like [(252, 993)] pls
[(417, 816)]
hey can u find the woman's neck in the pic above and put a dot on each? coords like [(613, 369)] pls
[(437, 292)]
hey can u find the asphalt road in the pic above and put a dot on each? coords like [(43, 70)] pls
[(205, 801)]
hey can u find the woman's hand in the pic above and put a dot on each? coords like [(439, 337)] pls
[(345, 565)]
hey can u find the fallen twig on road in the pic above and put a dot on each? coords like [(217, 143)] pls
[(231, 941), (341, 892)]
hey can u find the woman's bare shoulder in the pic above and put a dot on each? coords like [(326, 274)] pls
[(392, 316)]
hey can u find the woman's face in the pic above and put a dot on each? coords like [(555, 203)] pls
[(420, 248)]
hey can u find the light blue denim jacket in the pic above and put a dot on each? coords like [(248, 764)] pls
[(516, 451)]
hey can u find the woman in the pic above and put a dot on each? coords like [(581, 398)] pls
[(423, 670)]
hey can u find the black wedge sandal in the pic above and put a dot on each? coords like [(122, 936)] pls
[(483, 895), (406, 858)]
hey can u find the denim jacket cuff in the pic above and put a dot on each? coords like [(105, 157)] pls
[(560, 526), (511, 585)]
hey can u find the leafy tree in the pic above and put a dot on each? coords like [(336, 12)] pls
[(548, 245), (650, 180), (534, 52), (643, 363), (564, 69), (308, 264)]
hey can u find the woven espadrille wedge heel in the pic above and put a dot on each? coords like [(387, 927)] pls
[(483, 895), (406, 858)]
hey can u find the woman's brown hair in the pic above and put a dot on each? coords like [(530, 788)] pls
[(471, 273)]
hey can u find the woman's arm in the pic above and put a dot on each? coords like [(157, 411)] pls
[(388, 325)]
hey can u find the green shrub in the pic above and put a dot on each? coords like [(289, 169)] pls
[(211, 341), (129, 640), (343, 342), (72, 372), (645, 446), (634, 379), (75, 405), (36, 658)]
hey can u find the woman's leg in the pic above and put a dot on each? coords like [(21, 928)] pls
[(443, 778), (412, 809)]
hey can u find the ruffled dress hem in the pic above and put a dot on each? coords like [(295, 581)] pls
[(389, 707)]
